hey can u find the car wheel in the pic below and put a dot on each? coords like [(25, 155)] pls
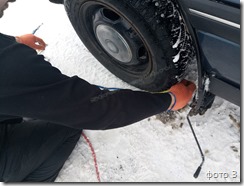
[(145, 43)]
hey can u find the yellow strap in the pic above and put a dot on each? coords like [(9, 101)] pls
[(165, 91)]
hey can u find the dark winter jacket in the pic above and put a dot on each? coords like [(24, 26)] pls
[(31, 87)]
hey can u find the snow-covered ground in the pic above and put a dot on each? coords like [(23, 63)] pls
[(148, 151)]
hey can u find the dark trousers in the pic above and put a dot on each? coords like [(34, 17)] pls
[(35, 151)]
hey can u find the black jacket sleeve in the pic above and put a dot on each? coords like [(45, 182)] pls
[(31, 87)]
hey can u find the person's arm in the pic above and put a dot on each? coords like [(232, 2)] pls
[(33, 88), (30, 40), (12, 38)]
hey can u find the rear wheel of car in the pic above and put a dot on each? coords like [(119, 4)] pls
[(145, 43)]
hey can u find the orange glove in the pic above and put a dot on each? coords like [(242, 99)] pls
[(31, 41), (181, 94)]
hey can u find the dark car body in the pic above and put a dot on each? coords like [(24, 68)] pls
[(215, 27)]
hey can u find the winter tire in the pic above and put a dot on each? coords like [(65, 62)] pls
[(145, 43)]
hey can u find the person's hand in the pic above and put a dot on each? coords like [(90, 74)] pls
[(181, 94), (31, 41)]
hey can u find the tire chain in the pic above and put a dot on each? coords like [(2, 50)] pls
[(167, 12)]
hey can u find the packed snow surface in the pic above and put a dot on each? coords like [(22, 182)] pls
[(158, 149)]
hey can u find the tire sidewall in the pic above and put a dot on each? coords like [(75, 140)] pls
[(160, 53)]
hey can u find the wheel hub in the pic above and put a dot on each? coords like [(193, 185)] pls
[(114, 43)]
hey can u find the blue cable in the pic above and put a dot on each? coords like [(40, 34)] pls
[(106, 88)]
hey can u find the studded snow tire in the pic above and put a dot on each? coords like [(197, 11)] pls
[(145, 43)]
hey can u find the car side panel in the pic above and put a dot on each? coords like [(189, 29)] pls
[(234, 3), (222, 57), (227, 24), (218, 35)]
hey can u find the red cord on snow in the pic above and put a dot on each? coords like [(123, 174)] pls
[(93, 155)]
